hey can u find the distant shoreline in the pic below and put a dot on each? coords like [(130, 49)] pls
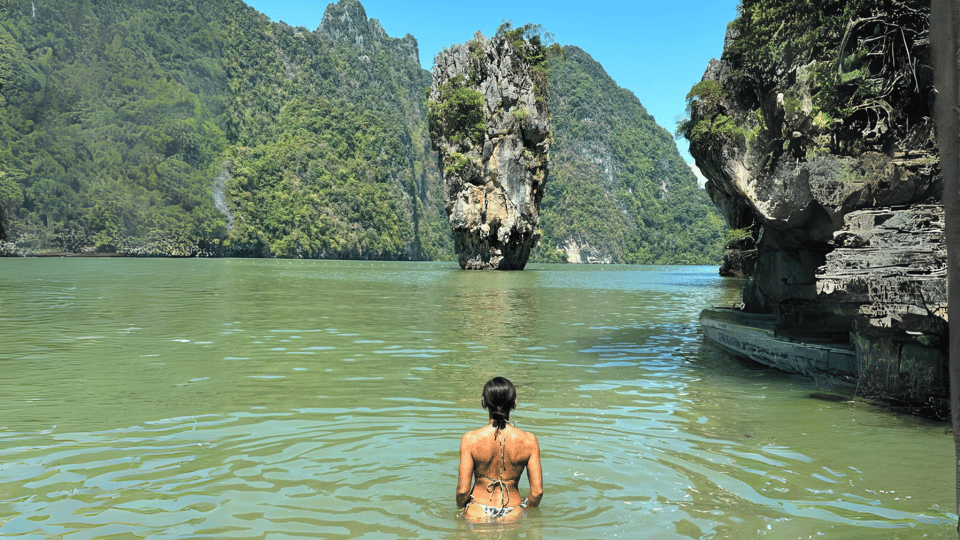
[(57, 254), (72, 254)]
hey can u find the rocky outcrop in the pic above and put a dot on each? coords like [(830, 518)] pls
[(490, 123), (580, 251), (829, 154), (9, 249), (887, 275), (800, 205), (889, 267), (738, 263), (346, 22)]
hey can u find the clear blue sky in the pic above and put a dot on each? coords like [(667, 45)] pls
[(657, 49)]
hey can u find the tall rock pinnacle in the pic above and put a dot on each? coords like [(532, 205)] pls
[(490, 122)]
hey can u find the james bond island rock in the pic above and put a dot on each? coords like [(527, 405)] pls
[(815, 131), (490, 122)]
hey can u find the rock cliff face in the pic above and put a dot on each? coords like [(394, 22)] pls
[(490, 122), (347, 22), (825, 149), (793, 170)]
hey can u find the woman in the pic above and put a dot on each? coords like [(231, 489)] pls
[(496, 456)]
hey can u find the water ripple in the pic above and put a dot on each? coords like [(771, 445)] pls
[(271, 399)]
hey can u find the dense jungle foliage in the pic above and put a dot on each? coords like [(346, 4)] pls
[(111, 122), (832, 77), (617, 181), (117, 118), (333, 157), (176, 127)]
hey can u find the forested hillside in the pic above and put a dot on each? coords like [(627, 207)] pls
[(333, 157), (124, 124), (619, 190), (111, 122), (180, 127)]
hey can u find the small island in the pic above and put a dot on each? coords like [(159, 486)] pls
[(490, 123)]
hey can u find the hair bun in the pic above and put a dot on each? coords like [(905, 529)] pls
[(499, 395)]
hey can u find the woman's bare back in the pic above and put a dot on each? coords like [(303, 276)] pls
[(492, 458)]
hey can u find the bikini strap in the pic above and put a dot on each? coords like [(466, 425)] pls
[(503, 491)]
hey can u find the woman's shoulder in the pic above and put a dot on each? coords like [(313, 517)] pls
[(472, 435), (519, 435), (526, 437)]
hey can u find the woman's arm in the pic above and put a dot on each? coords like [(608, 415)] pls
[(534, 475), (466, 472)]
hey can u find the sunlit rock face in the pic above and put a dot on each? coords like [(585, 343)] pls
[(792, 151), (491, 125)]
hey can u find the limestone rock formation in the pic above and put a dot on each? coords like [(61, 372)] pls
[(791, 153), (795, 171), (346, 21), (889, 266), (490, 122), (828, 153)]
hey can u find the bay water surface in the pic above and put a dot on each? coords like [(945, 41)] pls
[(275, 399)]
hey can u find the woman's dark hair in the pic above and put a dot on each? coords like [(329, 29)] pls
[(499, 395)]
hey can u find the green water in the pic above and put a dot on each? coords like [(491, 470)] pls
[(324, 399)]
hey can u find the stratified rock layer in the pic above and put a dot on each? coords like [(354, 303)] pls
[(494, 173), (889, 266)]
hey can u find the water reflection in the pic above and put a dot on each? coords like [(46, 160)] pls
[(494, 312), (529, 527)]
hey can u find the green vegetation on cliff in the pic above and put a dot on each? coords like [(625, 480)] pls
[(539, 55), (618, 183), (710, 122), (808, 79), (332, 155), (117, 119), (459, 113), (174, 127), (110, 122)]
